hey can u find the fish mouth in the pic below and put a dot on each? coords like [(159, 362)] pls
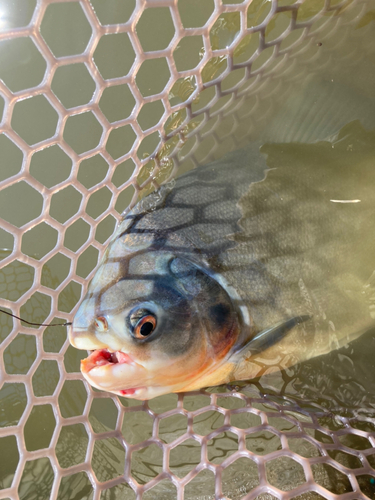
[(114, 371), (102, 357)]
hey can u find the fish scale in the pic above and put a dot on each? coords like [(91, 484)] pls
[(302, 238)]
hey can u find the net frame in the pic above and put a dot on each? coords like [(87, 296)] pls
[(167, 154)]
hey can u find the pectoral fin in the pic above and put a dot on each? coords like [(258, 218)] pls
[(271, 336)]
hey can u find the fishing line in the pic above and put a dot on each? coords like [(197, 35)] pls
[(31, 323)]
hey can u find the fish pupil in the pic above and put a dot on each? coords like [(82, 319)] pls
[(146, 328)]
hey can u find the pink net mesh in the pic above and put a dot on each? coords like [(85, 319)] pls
[(189, 80)]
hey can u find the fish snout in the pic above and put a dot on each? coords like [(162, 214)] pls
[(82, 333)]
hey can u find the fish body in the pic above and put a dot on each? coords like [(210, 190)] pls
[(247, 265)]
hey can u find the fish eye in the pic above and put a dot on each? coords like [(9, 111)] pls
[(145, 326), (142, 323), (101, 324)]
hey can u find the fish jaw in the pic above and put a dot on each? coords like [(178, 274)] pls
[(102, 357), (118, 373), (105, 370)]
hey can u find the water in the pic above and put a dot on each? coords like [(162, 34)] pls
[(337, 63)]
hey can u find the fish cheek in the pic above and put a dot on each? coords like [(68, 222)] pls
[(221, 320), (217, 320), (181, 334)]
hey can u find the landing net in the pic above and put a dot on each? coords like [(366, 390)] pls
[(100, 103)]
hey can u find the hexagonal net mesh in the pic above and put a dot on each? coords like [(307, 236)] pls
[(101, 102)]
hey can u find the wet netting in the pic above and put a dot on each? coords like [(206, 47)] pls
[(100, 103)]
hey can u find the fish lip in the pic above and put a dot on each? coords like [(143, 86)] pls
[(129, 392), (94, 373), (102, 357), (100, 367)]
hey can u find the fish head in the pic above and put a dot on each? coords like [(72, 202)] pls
[(156, 323)]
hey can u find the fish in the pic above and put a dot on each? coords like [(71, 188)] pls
[(248, 265)]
